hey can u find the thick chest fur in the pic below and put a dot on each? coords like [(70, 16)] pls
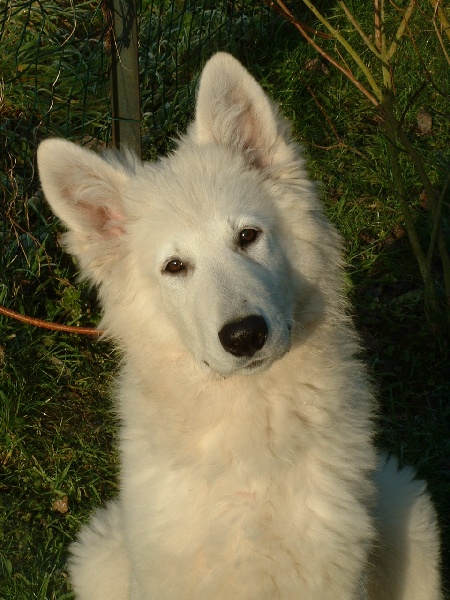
[(245, 485)]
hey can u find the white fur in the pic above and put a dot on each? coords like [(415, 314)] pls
[(242, 477)]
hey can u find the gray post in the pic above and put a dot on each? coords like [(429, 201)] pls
[(125, 96)]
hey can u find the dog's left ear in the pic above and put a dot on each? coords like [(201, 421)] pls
[(232, 109), (86, 193)]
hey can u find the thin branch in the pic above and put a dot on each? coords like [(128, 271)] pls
[(377, 15), (49, 325), (325, 114), (430, 192), (339, 142), (437, 221), (411, 101), (444, 25), (359, 29), (442, 16), (426, 70), (281, 8), (358, 60), (397, 177), (441, 41), (401, 29)]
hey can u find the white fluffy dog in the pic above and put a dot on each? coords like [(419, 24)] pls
[(247, 465)]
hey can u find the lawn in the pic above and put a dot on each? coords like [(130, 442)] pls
[(57, 427)]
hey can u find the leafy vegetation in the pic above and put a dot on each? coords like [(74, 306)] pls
[(372, 63), (57, 429)]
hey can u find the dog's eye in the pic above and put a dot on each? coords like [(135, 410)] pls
[(175, 266), (247, 237)]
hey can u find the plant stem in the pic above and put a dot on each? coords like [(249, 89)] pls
[(340, 38), (359, 29), (400, 189), (384, 97), (282, 9), (430, 301), (401, 29), (442, 16), (434, 204)]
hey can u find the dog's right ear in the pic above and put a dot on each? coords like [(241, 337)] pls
[(86, 193), (233, 110)]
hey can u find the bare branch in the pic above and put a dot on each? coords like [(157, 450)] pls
[(282, 9), (445, 25), (401, 29), (341, 39), (359, 29), (377, 15), (48, 324), (442, 17)]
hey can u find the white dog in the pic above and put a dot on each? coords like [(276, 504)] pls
[(247, 465)]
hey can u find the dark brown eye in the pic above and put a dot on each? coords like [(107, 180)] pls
[(175, 266), (247, 237)]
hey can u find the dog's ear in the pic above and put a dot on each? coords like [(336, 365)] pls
[(86, 193), (233, 109)]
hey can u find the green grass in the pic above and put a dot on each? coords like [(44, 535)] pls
[(57, 429), (57, 440)]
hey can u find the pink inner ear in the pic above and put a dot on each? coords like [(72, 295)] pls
[(104, 221)]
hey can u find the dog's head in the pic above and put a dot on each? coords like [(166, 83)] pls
[(197, 249)]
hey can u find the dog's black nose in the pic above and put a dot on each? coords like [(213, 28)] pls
[(244, 337)]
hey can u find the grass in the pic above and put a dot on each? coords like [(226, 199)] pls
[(57, 441), (57, 430)]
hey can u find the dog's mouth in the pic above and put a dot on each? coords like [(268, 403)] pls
[(255, 364), (248, 367)]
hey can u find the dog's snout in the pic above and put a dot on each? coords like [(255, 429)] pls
[(244, 337)]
